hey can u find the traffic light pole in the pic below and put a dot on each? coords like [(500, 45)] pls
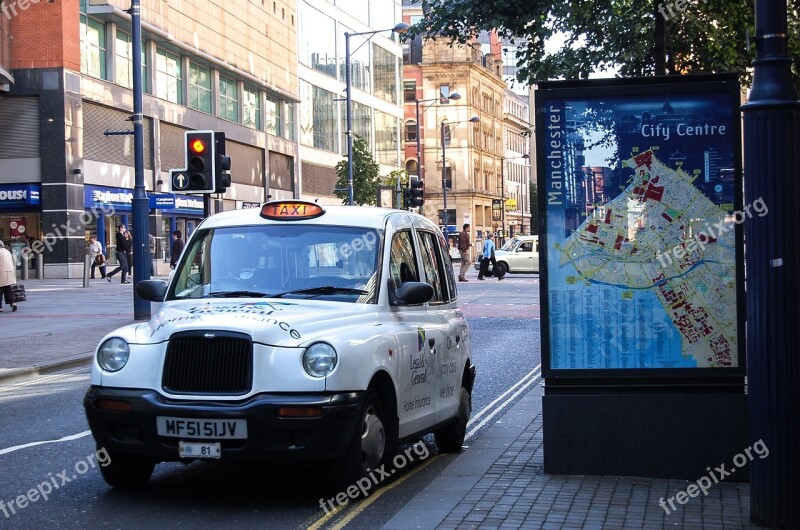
[(140, 206)]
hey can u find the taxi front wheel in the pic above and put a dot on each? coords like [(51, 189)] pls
[(369, 443), (451, 438), (127, 471)]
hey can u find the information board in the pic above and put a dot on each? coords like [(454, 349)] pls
[(640, 182)]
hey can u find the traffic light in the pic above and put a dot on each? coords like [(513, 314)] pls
[(417, 196), (197, 176), (222, 164)]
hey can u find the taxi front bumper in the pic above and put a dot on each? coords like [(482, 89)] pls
[(269, 436)]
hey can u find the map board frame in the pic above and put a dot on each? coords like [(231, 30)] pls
[(593, 326)]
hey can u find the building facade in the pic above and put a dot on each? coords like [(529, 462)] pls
[(229, 67), (376, 63)]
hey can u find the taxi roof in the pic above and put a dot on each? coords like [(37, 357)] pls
[(335, 215)]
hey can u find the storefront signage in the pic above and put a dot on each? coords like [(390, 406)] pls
[(122, 199), (16, 195), (642, 248), (162, 200)]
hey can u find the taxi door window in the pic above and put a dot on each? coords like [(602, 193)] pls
[(448, 269), (432, 261), (403, 259), (527, 246)]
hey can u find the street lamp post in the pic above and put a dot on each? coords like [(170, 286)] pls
[(503, 193), (453, 96), (402, 27), (444, 124)]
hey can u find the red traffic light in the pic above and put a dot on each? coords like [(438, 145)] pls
[(197, 145)]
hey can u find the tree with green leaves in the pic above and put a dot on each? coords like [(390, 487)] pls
[(631, 37), (365, 176)]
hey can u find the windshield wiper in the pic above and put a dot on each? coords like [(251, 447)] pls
[(326, 289), (235, 294)]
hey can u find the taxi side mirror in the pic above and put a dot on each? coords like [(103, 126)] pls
[(152, 290), (413, 293)]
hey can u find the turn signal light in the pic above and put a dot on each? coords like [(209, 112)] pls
[(300, 412), (112, 404)]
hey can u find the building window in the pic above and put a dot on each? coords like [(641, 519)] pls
[(169, 77), (385, 70), (411, 131), (387, 136), (123, 62), (447, 135), (318, 121), (93, 47), (290, 110), (199, 88), (444, 93), (228, 99), (274, 123), (412, 168), (251, 106), (409, 90)]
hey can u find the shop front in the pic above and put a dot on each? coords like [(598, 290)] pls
[(20, 216), (110, 207)]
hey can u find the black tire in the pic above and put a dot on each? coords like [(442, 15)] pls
[(500, 270), (127, 471), (368, 448), (451, 438)]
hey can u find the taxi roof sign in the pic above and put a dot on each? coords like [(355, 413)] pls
[(291, 210)]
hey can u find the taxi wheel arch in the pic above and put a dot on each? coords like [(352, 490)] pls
[(450, 438), (501, 269), (127, 471)]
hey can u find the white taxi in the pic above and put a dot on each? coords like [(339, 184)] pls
[(293, 331)]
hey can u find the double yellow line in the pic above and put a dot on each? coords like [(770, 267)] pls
[(360, 506)]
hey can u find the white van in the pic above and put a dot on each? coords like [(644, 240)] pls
[(520, 254)]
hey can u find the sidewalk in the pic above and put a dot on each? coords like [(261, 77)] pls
[(61, 323), (498, 483)]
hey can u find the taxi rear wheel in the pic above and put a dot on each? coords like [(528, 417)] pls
[(369, 445), (451, 438), (127, 471)]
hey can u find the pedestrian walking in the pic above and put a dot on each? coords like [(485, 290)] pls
[(98, 257), (122, 255), (8, 277), (488, 257), (176, 248), (129, 238), (464, 244)]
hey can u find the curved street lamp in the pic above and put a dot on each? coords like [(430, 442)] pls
[(444, 125), (401, 27)]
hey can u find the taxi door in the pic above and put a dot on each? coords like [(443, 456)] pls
[(413, 334), (444, 332)]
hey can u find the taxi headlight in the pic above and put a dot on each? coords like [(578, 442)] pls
[(113, 354), (319, 359)]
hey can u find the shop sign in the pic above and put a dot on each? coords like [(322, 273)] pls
[(19, 195)]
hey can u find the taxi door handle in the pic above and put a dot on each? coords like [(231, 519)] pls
[(432, 343)]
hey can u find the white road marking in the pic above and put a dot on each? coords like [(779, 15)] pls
[(486, 409), (503, 405), (32, 444), (45, 379)]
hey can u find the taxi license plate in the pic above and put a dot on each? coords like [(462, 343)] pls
[(201, 428), (199, 450)]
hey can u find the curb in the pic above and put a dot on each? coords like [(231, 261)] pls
[(21, 373)]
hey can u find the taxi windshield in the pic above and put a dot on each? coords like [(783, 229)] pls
[(284, 261)]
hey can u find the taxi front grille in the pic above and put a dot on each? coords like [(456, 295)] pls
[(208, 362)]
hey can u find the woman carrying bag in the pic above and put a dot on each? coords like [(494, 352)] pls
[(8, 277)]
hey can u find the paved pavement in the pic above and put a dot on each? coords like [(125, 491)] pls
[(496, 483)]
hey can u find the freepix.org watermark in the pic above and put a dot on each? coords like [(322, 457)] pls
[(712, 232), (713, 477), (372, 479), (53, 482), (670, 7), (12, 8), (64, 231)]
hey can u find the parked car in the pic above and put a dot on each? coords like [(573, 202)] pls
[(520, 254), (294, 331)]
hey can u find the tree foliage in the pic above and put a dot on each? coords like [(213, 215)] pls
[(365, 176), (709, 36)]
